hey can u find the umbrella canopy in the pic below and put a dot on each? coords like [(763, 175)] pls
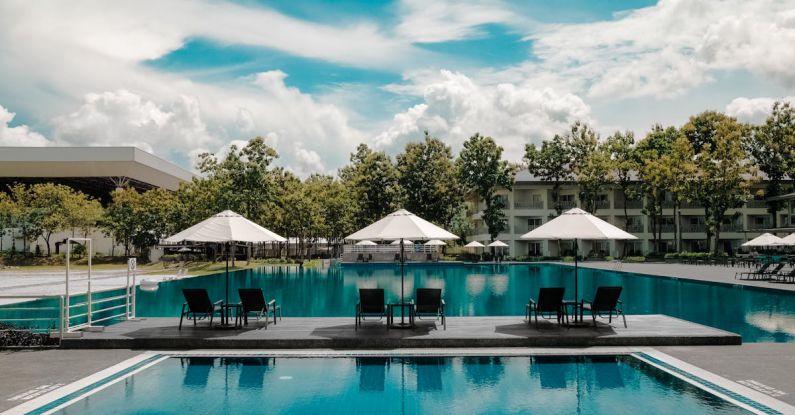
[(577, 224), (226, 226), (789, 239), (499, 244), (366, 242), (435, 242), (474, 244), (766, 239), (401, 224), (405, 241)]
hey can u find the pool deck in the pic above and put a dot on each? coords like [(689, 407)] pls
[(708, 273), (338, 332)]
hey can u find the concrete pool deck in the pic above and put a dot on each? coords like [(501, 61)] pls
[(338, 332), (708, 273)]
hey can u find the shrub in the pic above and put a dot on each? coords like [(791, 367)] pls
[(635, 259)]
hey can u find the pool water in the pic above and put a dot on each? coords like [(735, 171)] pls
[(483, 290), (402, 385)]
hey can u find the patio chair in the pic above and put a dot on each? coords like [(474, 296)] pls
[(605, 301), (748, 274), (252, 300), (371, 304), (198, 306), (429, 303), (369, 258), (783, 276), (766, 275), (360, 258), (397, 257), (550, 303)]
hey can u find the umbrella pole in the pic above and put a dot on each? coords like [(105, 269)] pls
[(402, 273), (576, 292), (227, 273)]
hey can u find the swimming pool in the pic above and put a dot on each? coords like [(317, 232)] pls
[(609, 384), (484, 290)]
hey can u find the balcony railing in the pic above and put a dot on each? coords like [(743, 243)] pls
[(635, 227), (528, 204), (665, 227), (603, 204), (754, 203), (631, 204), (692, 205), (694, 228), (567, 204), (733, 227), (523, 229)]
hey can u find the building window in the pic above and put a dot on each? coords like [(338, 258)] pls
[(534, 249)]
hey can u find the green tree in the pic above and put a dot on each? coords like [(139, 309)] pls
[(429, 180), (83, 213), (242, 180), (678, 169), (590, 163), (771, 146), (121, 222), (551, 163), (372, 180), (337, 213), (653, 174), (461, 225), (624, 165), (139, 220), (8, 216), (49, 209), (482, 171)]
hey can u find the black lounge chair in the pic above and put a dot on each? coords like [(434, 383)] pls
[(605, 301), (371, 304), (397, 257), (369, 258), (360, 258), (748, 274), (429, 303), (784, 277), (550, 302), (767, 275), (198, 306), (253, 301)]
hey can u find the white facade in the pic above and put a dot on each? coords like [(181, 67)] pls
[(530, 204)]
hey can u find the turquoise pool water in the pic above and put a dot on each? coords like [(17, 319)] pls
[(481, 290), (592, 385)]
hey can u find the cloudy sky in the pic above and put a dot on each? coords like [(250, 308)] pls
[(317, 77)]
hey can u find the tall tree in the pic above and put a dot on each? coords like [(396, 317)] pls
[(551, 163), (624, 165), (482, 171), (771, 146), (678, 169), (653, 175), (429, 180), (590, 163), (724, 179), (8, 216), (49, 206), (335, 210), (242, 178), (121, 221), (373, 182)]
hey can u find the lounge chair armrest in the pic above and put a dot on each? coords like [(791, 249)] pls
[(443, 303), (272, 302), (531, 301), (219, 302)]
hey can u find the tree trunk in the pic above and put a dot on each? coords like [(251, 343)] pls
[(47, 241)]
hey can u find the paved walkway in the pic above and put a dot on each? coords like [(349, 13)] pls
[(339, 332), (52, 283), (711, 273), (27, 374), (766, 367)]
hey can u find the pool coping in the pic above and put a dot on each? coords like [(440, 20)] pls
[(727, 390)]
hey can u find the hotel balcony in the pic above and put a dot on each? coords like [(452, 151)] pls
[(528, 204)]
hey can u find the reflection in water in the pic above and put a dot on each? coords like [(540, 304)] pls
[(429, 373), (606, 372), (483, 370), (554, 372), (484, 290), (198, 372), (252, 370), (372, 373)]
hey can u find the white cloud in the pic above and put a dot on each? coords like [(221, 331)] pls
[(125, 118), (445, 20), (455, 107), (753, 110), (20, 135), (666, 49)]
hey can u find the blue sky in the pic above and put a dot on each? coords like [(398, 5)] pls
[(318, 77)]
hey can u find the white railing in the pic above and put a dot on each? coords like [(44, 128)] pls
[(388, 249)]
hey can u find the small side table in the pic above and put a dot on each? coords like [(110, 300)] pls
[(238, 308), (406, 309), (574, 306)]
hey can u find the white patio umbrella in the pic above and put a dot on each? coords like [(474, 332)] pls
[(575, 224), (789, 239), (225, 227), (405, 242), (498, 244), (435, 242), (474, 244), (766, 240), (366, 243), (401, 225)]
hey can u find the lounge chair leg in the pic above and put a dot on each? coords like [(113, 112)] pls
[(625, 319), (180, 320)]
